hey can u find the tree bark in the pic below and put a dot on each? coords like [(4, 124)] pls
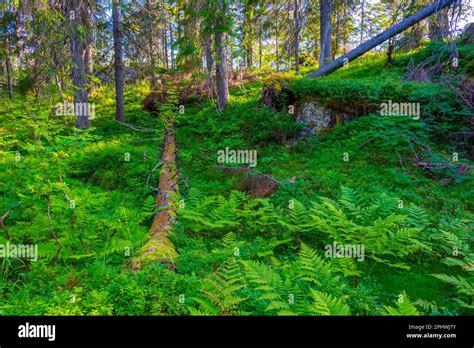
[(2, 73), (326, 29), (158, 247), (88, 62), (119, 98), (249, 56), (362, 20), (249, 13), (382, 37), (221, 62), (88, 54), (9, 75), (208, 54), (151, 64), (297, 35), (221, 71), (439, 25), (171, 46), (75, 14), (165, 47)]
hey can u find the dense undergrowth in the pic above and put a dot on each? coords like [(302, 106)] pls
[(358, 184)]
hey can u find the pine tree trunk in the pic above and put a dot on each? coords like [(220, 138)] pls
[(297, 35), (221, 71), (9, 75), (78, 71), (221, 64), (119, 98), (88, 61), (439, 25), (165, 47), (382, 37), (362, 21), (2, 72), (88, 54), (248, 32), (171, 46), (249, 56), (326, 29), (277, 55), (208, 54)]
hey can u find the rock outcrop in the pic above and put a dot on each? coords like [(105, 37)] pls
[(318, 117)]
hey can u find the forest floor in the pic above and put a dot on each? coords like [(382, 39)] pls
[(94, 190)]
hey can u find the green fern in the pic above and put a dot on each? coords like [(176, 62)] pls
[(326, 304), (404, 307), (221, 292)]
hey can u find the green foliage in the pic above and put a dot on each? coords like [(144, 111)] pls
[(237, 255), (403, 307), (376, 223), (289, 289), (221, 291), (220, 215)]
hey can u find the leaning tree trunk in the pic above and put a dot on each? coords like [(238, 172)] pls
[(119, 99), (325, 26), (382, 37), (78, 70)]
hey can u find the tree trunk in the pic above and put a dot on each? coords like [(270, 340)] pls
[(78, 71), (88, 61), (165, 47), (335, 41), (88, 54), (2, 72), (249, 57), (9, 75), (159, 247), (171, 46), (221, 71), (119, 98), (151, 60), (297, 35), (326, 29), (208, 54), (277, 56), (151, 66), (362, 21), (439, 26), (221, 64), (382, 37), (248, 32)]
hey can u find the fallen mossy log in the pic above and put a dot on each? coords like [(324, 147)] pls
[(159, 248)]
